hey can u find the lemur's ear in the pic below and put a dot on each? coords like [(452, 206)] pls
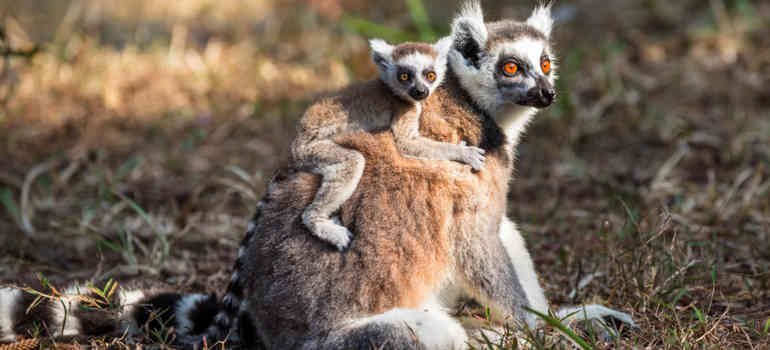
[(541, 18), (469, 32), (382, 53)]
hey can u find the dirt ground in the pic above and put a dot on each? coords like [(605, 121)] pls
[(135, 143)]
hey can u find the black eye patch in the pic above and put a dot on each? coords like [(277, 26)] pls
[(404, 72), (404, 76)]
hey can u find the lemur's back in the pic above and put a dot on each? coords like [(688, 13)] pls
[(363, 106)]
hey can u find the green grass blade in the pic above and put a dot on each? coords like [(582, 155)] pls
[(631, 216), (127, 246), (43, 280), (143, 214), (114, 247), (678, 295), (698, 314), (6, 198), (487, 341), (563, 329), (33, 292)]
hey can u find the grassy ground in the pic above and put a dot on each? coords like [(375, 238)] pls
[(136, 143)]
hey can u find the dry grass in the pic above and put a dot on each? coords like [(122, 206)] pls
[(135, 145)]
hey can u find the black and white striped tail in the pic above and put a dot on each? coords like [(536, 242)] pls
[(129, 311), (231, 303), (132, 311)]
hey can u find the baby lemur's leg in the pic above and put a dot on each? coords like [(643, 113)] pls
[(406, 131), (341, 169)]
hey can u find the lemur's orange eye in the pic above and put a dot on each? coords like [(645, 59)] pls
[(404, 77), (431, 76), (510, 68), (546, 65)]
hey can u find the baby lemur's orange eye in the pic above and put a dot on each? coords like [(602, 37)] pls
[(431, 76), (404, 77), (510, 68), (546, 65)]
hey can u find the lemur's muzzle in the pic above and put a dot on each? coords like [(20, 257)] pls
[(546, 96), (542, 95), (418, 92)]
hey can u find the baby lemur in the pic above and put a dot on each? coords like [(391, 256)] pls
[(409, 73)]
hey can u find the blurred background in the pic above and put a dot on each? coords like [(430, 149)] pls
[(137, 136)]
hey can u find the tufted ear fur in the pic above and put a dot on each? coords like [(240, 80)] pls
[(541, 18), (382, 53), (442, 48), (469, 32), (443, 45)]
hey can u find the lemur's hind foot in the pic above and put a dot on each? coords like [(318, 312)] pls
[(329, 230)]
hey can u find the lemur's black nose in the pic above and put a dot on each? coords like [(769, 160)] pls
[(547, 95), (418, 93)]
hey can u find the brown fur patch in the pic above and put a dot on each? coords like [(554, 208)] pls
[(406, 49), (505, 31), (331, 115)]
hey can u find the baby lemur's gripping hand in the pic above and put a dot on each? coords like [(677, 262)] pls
[(471, 155)]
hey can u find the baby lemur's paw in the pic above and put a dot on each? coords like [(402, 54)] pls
[(472, 156), (332, 232)]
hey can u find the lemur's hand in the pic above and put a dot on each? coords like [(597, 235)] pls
[(472, 156)]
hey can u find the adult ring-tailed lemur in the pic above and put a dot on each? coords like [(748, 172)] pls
[(424, 232)]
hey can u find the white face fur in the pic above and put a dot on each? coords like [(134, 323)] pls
[(414, 76), (507, 64)]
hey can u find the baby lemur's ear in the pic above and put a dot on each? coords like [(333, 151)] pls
[(382, 53), (443, 45), (442, 48)]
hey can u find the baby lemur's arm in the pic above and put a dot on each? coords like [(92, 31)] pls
[(405, 127)]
